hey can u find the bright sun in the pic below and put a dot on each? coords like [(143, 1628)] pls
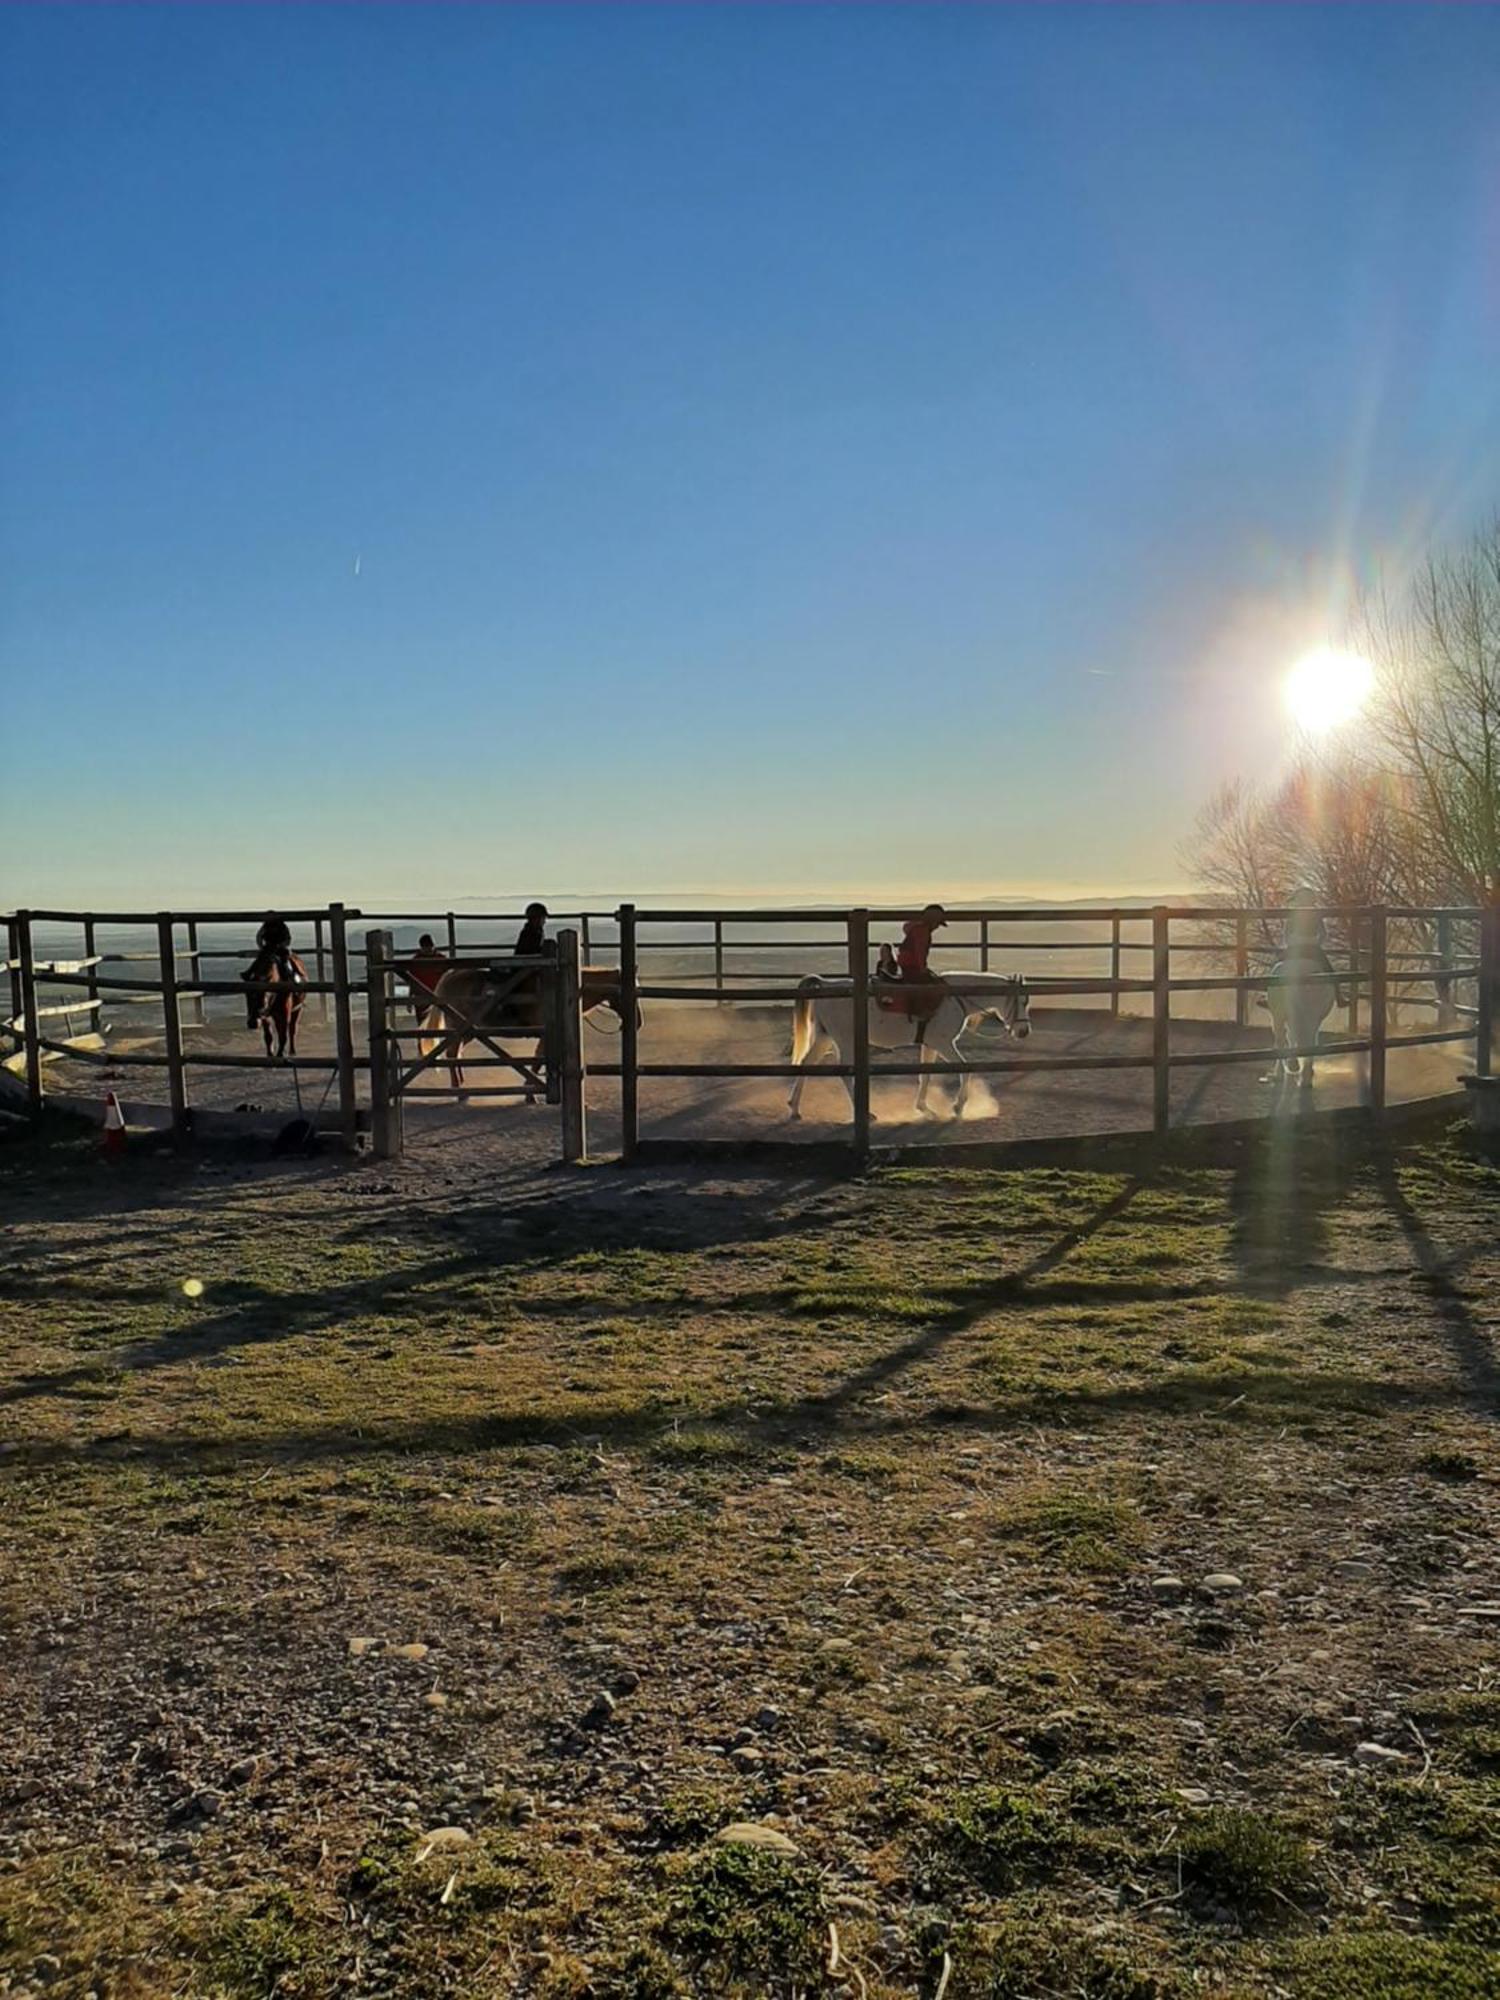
[(1326, 688)]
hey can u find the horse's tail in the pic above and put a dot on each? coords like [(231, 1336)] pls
[(804, 1020), (432, 1025)]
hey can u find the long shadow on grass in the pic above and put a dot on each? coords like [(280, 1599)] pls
[(1268, 1398), (552, 1228), (1473, 1351)]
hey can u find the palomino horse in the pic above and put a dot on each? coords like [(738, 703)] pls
[(477, 1001), (278, 1007), (821, 1017), (1298, 1007)]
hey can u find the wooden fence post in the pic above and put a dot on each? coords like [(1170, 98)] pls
[(452, 936), (31, 1024), (90, 935), (166, 948), (569, 1046), (584, 946), (195, 972), (859, 974), (984, 944), (1351, 1005), (1161, 1021), (629, 1037), (1484, 997), (1241, 969), (1447, 1013), (343, 1024), (321, 964), (1114, 965), (386, 1120), (719, 958), (13, 969), (1377, 1009)]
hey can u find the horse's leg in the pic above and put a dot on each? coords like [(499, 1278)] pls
[(924, 1083)]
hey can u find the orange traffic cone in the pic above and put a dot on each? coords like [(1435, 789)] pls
[(114, 1125)]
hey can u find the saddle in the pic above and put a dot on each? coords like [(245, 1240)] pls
[(917, 999)]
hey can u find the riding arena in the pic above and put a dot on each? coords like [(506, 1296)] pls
[(645, 1033)]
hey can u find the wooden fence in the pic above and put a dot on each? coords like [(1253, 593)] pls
[(94, 977), (1371, 961), (1430, 957)]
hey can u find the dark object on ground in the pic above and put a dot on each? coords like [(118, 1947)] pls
[(298, 1139)]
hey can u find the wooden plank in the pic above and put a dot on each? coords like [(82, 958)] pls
[(1377, 1010), (166, 945), (630, 1110), (859, 976), (570, 1061), (343, 1024), (719, 952), (1161, 1021), (1114, 967), (1241, 969)]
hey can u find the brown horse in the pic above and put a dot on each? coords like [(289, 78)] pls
[(279, 1006), (468, 990)]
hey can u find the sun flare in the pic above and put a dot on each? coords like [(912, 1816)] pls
[(1327, 688)]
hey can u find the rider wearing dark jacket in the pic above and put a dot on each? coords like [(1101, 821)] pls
[(532, 938), (275, 937)]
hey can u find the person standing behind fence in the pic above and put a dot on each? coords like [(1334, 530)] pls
[(423, 973)]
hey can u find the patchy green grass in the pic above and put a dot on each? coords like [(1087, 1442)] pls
[(589, 1526)]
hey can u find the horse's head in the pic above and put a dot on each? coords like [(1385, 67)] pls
[(1014, 1011), (602, 987)]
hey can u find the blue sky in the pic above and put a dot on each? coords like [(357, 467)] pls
[(812, 449)]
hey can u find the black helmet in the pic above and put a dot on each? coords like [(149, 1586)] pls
[(536, 910)]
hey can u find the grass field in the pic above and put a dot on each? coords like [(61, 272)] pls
[(1087, 1583)]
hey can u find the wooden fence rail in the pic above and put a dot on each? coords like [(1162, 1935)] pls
[(1436, 955)]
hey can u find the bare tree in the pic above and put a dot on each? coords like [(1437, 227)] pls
[(1436, 650)]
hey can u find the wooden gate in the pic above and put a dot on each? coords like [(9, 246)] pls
[(534, 1001)]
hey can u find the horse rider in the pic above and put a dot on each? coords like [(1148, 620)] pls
[(909, 967), (1304, 938), (273, 947), (915, 948), (423, 973), (1303, 942), (531, 941)]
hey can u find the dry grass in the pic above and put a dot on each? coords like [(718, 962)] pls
[(851, 1497)]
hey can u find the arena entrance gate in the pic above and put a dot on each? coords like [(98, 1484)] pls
[(535, 1001)]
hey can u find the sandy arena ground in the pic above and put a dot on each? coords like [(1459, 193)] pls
[(1022, 1105)]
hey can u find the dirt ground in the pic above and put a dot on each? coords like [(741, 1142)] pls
[(1014, 1106), (1083, 1584)]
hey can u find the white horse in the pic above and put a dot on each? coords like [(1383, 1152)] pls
[(821, 1017), (1298, 1009)]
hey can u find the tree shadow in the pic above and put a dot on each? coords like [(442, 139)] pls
[(1473, 1351)]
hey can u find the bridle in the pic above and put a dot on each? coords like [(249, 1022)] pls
[(1008, 1013)]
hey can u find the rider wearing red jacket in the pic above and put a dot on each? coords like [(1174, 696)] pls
[(916, 943)]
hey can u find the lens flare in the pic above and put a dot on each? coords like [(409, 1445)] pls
[(192, 1288), (1327, 688)]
